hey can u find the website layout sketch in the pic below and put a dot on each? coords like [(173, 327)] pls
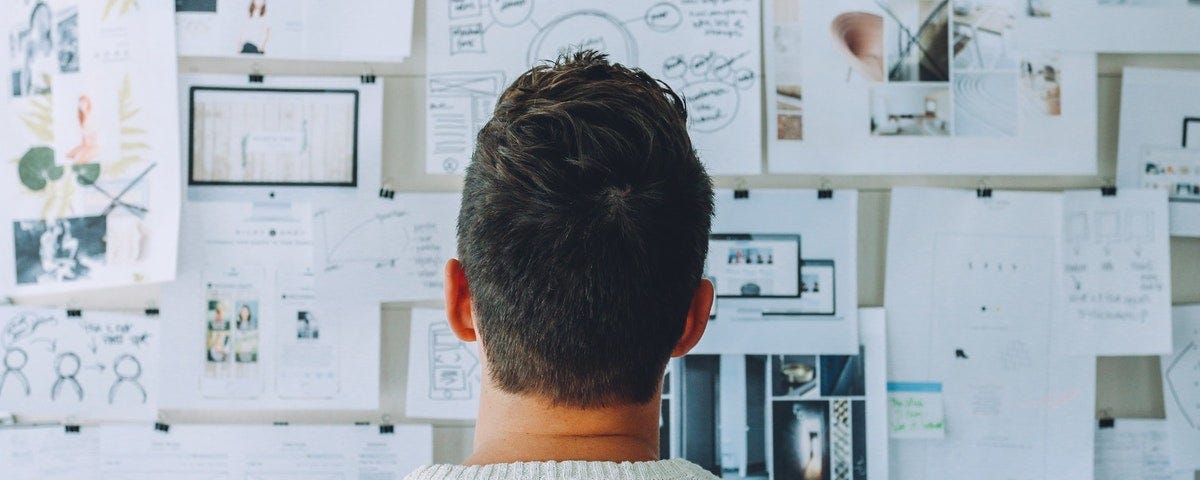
[(444, 373), (273, 136), (460, 104)]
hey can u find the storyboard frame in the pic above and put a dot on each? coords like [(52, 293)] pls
[(341, 104), (323, 119)]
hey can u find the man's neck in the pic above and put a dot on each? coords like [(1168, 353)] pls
[(517, 428)]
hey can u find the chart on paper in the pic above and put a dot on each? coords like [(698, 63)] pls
[(708, 53)]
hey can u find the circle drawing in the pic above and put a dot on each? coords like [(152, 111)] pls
[(664, 17), (584, 30), (510, 13)]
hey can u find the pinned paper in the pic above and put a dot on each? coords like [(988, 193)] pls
[(915, 411)]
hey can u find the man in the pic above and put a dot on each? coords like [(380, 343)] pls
[(581, 241)]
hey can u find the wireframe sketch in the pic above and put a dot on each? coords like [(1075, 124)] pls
[(59, 364), (709, 53), (453, 368), (273, 136), (459, 105)]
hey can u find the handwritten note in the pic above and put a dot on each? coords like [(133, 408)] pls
[(1116, 276), (915, 411)]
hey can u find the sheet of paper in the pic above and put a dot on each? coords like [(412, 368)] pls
[(88, 147), (1116, 272), (1133, 449), (138, 452), (784, 264), (48, 452), (444, 373), (971, 294), (286, 138), (1181, 389), (783, 416), (916, 411), (264, 452), (1160, 139), (346, 30), (250, 327), (1118, 26), (383, 249), (708, 52), (97, 366), (921, 87)]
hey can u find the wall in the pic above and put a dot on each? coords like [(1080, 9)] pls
[(1127, 387)]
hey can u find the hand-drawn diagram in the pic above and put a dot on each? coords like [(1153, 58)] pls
[(392, 249), (707, 52), (1182, 380), (453, 368), (56, 361)]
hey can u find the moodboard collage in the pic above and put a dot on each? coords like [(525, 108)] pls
[(142, 147)]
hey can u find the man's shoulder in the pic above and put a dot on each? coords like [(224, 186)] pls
[(675, 469)]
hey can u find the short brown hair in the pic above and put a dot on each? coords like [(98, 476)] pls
[(583, 232)]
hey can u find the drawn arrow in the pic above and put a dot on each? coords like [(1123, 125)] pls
[(99, 367), (52, 343)]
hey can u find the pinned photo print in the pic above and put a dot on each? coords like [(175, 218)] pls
[(196, 6), (801, 440), (918, 32), (306, 326), (62, 250), (795, 375), (1041, 90), (911, 110)]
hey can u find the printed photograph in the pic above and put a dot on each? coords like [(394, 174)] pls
[(918, 32), (256, 30), (786, 40), (218, 315), (858, 36), (723, 416), (793, 375), (199, 6), (247, 315), (68, 40), (985, 104), (983, 35), (217, 346), (306, 326), (1041, 91), (801, 447), (32, 52), (62, 250), (843, 375), (911, 110)]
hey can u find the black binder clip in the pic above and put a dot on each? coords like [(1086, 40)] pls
[(280, 424), (387, 429), (256, 78), (825, 192), (362, 424), (367, 79), (387, 193), (983, 190), (152, 312), (74, 313), (741, 191), (1108, 191), (1107, 423), (162, 427), (70, 428)]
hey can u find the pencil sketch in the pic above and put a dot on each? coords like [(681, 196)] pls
[(453, 368), (128, 370), (15, 360), (1181, 382), (459, 105), (67, 365)]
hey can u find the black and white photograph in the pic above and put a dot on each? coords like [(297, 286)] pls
[(196, 6), (306, 326), (843, 375), (60, 250), (67, 26), (723, 419), (32, 52), (917, 33)]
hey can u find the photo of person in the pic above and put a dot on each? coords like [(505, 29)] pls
[(217, 346), (1041, 92), (247, 315), (256, 30), (245, 347), (89, 145), (218, 318), (306, 326), (32, 53), (59, 250)]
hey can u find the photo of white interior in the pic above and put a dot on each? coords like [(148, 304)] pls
[(911, 110)]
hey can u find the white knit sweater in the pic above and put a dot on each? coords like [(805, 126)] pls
[(661, 470)]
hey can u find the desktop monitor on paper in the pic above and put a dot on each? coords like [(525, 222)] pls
[(755, 265)]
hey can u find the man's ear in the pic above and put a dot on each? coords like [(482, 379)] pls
[(458, 302), (697, 319)]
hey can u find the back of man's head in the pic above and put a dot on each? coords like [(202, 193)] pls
[(583, 232)]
